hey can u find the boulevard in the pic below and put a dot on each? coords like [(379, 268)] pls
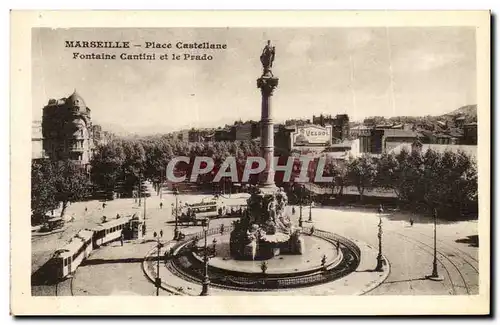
[(116, 269)]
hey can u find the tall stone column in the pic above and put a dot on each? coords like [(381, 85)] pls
[(267, 83)]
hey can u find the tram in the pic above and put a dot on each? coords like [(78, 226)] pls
[(67, 259), (109, 231), (205, 209)]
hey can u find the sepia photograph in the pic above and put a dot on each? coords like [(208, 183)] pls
[(337, 162)]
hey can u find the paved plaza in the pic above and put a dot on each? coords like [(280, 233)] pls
[(118, 270)]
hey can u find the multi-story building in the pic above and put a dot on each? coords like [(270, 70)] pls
[(67, 129), (394, 137), (37, 151), (459, 121), (195, 136), (364, 134), (339, 124), (470, 134), (282, 135), (227, 133), (243, 131), (200, 135), (376, 141), (182, 135), (340, 128)]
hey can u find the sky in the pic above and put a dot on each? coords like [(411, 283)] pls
[(358, 71)]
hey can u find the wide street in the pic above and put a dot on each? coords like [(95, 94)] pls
[(118, 270)]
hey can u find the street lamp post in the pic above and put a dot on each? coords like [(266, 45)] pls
[(380, 266), (144, 209), (158, 279), (435, 275), (140, 189), (310, 208), (176, 229), (206, 280), (300, 201)]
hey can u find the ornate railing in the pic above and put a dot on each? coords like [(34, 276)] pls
[(261, 282)]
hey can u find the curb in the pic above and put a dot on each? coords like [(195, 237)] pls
[(35, 234), (151, 278), (377, 283)]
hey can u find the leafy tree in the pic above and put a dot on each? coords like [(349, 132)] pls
[(43, 190), (362, 172), (134, 162), (107, 165), (71, 182)]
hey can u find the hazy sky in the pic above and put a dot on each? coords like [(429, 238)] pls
[(358, 71)]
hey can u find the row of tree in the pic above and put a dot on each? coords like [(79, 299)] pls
[(122, 163), (55, 184), (445, 180), (431, 180)]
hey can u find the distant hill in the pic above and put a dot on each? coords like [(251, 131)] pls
[(116, 129), (467, 110)]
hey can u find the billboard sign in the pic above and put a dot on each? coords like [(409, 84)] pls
[(312, 135)]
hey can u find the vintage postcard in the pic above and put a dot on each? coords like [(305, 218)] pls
[(250, 163)]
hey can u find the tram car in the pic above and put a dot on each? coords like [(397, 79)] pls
[(110, 231), (205, 209), (67, 259)]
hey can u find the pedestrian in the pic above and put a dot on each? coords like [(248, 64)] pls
[(143, 229), (121, 238), (161, 205), (155, 234), (104, 205), (293, 210), (86, 209), (380, 209), (161, 232), (222, 229), (411, 222)]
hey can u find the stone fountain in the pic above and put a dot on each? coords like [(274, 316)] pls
[(265, 230)]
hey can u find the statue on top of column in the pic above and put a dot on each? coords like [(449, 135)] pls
[(267, 58)]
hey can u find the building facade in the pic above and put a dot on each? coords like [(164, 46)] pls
[(37, 151), (67, 130), (339, 124), (243, 131), (225, 134), (364, 134), (311, 137), (470, 134), (394, 137)]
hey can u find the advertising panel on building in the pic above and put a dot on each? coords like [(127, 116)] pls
[(312, 135)]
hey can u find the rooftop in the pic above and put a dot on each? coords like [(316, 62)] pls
[(400, 133)]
